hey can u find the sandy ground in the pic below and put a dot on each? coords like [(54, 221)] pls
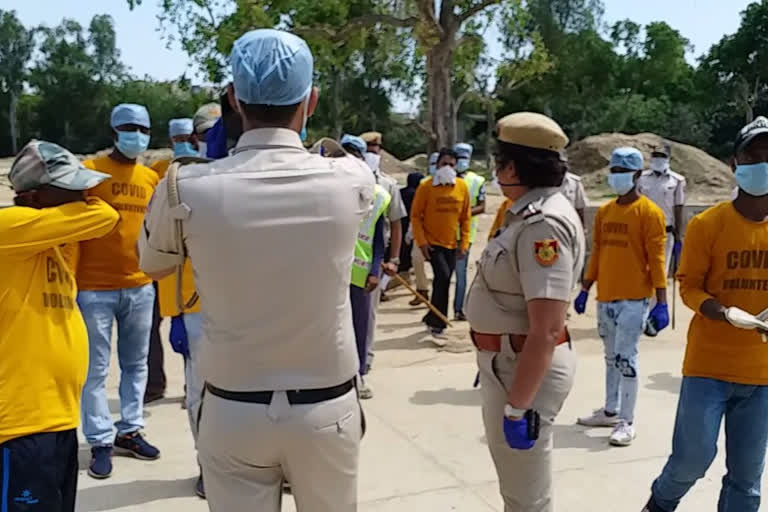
[(425, 448)]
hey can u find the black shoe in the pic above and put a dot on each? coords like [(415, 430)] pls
[(651, 506), (199, 487), (460, 317), (101, 462), (134, 444)]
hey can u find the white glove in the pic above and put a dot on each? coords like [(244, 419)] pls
[(743, 320)]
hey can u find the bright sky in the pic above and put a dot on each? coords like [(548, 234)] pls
[(704, 22)]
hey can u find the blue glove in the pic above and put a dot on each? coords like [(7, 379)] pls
[(580, 304), (660, 316), (178, 338), (516, 434), (678, 248)]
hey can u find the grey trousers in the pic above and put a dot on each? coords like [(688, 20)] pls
[(525, 476), (246, 450)]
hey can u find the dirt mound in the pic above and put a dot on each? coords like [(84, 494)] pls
[(707, 177)]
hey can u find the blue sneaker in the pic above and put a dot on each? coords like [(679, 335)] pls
[(101, 462), (134, 444)]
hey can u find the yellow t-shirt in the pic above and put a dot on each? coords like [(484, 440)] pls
[(43, 340), (161, 167), (166, 289), (112, 262), (627, 258), (725, 257), (498, 222), (437, 210)]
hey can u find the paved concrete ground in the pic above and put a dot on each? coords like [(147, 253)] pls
[(425, 448)]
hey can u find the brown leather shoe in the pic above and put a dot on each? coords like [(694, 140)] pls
[(416, 301)]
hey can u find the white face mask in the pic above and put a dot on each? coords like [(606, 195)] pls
[(445, 175), (659, 164), (373, 160)]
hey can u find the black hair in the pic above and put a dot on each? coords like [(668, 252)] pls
[(447, 152), (535, 167), (352, 150), (270, 115)]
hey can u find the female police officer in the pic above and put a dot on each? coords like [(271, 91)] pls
[(517, 307)]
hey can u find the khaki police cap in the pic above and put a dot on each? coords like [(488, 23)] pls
[(372, 138), (531, 130)]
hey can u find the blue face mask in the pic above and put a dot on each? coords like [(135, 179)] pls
[(132, 144), (622, 182), (303, 134), (184, 149), (432, 169), (753, 178), (462, 164)]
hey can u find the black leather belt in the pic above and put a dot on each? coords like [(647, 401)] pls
[(295, 397)]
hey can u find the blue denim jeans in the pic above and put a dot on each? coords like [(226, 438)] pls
[(700, 409), (461, 283), (192, 378), (620, 325), (132, 308)]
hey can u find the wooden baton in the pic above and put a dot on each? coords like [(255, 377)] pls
[(422, 298)]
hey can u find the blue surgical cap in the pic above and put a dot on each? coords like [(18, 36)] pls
[(354, 141), (271, 67), (181, 126), (129, 113), (627, 158), (463, 150), (433, 158)]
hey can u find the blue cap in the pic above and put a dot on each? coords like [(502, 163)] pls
[(463, 150), (129, 113), (354, 141), (627, 158), (181, 126), (271, 67)]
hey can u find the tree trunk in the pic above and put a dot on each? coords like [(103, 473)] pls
[(491, 118), (439, 64), (12, 121), (337, 84)]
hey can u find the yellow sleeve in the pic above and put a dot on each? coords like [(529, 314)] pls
[(694, 265), (465, 221), (594, 258), (26, 231), (655, 242), (417, 215)]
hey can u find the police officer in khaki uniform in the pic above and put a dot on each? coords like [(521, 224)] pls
[(517, 308), (573, 190), (280, 366)]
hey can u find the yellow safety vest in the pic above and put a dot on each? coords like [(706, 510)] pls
[(361, 266), (474, 181)]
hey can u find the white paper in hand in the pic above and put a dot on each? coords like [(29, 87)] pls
[(743, 320)]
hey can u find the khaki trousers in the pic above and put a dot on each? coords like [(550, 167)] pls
[(246, 450), (419, 270), (525, 476)]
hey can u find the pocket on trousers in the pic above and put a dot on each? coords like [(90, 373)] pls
[(339, 426)]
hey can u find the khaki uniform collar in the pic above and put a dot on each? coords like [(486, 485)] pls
[(270, 137), (532, 196)]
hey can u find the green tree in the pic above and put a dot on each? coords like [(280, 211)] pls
[(16, 45), (739, 62)]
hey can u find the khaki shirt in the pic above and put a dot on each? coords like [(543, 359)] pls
[(538, 254), (573, 189), (667, 190), (271, 234)]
